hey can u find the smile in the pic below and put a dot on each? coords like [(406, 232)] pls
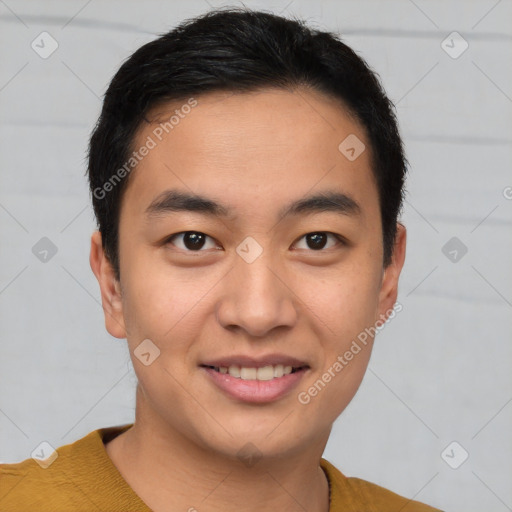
[(255, 385)]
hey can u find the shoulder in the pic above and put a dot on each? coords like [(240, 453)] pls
[(355, 494), (27, 485), (76, 477)]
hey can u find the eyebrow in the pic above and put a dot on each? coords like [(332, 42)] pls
[(178, 201)]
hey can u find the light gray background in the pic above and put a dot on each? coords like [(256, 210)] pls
[(440, 371)]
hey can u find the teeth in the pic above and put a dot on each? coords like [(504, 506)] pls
[(278, 370), (234, 371), (247, 373), (264, 373)]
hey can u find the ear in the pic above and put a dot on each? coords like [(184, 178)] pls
[(389, 286), (109, 286)]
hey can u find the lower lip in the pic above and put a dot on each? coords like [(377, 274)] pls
[(255, 390)]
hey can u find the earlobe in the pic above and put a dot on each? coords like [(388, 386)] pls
[(109, 286), (389, 286)]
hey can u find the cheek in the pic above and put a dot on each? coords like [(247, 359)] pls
[(161, 302), (352, 305), (345, 302)]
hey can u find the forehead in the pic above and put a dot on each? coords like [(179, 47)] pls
[(271, 144)]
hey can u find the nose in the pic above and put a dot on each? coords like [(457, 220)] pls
[(257, 299)]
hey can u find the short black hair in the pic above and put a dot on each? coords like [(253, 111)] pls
[(239, 50)]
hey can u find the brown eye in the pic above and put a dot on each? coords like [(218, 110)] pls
[(191, 241), (318, 240)]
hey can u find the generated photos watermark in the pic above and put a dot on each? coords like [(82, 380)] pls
[(150, 143), (304, 397)]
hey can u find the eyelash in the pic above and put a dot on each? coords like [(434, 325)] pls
[(341, 241)]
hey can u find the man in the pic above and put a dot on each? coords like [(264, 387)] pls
[(247, 175)]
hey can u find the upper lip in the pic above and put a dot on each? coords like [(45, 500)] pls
[(255, 362)]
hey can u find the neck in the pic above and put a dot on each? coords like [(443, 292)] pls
[(170, 471)]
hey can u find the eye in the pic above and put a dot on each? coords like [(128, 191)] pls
[(191, 241), (195, 241), (319, 240)]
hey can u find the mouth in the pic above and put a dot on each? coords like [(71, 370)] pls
[(255, 382)]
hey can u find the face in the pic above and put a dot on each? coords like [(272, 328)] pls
[(248, 240)]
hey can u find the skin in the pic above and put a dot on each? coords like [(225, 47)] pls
[(253, 153)]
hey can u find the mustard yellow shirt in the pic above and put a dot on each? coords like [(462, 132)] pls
[(83, 479)]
